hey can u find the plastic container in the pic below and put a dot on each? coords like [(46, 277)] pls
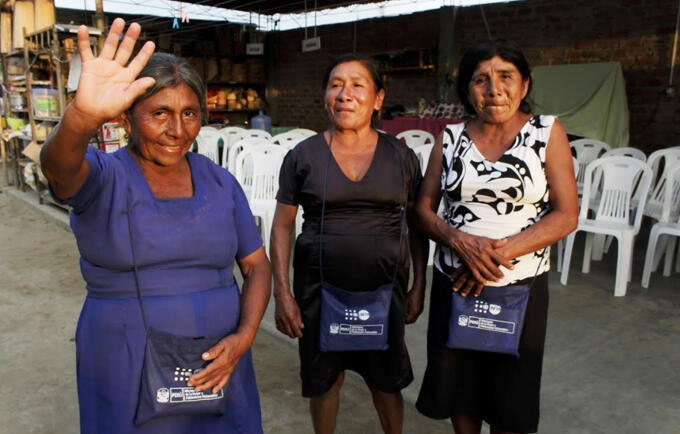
[(45, 103), (261, 122)]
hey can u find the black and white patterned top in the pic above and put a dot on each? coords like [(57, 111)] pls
[(496, 199)]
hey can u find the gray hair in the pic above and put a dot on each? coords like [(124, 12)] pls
[(171, 71)]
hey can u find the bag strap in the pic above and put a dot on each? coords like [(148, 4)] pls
[(323, 211), (134, 264)]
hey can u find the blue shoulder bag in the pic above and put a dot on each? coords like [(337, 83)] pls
[(354, 320), (169, 361), (493, 321)]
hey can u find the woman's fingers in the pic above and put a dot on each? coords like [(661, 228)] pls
[(84, 44), (139, 61), (111, 43), (128, 44)]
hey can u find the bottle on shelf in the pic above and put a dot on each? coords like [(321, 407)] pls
[(261, 122)]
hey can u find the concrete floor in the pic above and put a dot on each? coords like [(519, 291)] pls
[(612, 365)]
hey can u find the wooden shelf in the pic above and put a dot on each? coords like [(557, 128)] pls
[(224, 110), (47, 118)]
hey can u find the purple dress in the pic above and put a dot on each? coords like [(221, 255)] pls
[(185, 250)]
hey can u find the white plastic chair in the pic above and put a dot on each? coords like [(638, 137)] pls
[(207, 143), (587, 150), (613, 215), (288, 139), (560, 242), (229, 136), (237, 148), (423, 153), (660, 162), (626, 151), (667, 225), (257, 134), (415, 138), (304, 131), (258, 173), (245, 166)]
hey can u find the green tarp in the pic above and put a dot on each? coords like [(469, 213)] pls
[(589, 99)]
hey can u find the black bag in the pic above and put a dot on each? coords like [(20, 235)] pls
[(169, 361), (354, 320)]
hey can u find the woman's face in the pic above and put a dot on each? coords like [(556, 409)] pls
[(496, 90), (164, 126), (351, 96)]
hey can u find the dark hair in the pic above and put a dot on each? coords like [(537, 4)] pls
[(171, 71), (371, 66), (369, 63), (485, 50)]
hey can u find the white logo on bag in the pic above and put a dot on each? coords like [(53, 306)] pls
[(481, 306), (354, 315), (183, 374), (163, 395), (462, 320), (494, 309), (335, 328)]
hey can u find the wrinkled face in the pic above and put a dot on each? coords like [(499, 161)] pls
[(496, 90), (164, 126), (351, 96)]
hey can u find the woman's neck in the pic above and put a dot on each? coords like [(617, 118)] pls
[(497, 133), (364, 137)]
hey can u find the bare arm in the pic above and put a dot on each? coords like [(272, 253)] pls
[(478, 253), (288, 317), (563, 217), (106, 88), (256, 290), (418, 245)]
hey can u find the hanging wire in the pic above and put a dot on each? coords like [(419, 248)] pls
[(675, 47), (486, 23)]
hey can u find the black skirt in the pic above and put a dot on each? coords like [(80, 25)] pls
[(500, 389)]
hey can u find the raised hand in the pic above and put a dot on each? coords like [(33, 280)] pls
[(108, 84)]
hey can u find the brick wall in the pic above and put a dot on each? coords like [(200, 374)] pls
[(636, 33)]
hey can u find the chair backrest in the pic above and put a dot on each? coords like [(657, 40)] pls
[(658, 161), (229, 136), (576, 167), (265, 176), (288, 139), (245, 166), (256, 134), (626, 151), (423, 153), (586, 151), (619, 176), (235, 149), (671, 203), (207, 143), (304, 131), (415, 138)]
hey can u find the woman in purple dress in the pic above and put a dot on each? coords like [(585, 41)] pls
[(188, 222)]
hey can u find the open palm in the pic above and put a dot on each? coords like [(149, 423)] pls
[(108, 84)]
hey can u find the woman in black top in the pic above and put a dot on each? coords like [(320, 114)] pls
[(370, 177)]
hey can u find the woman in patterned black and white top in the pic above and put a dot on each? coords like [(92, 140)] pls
[(507, 182)]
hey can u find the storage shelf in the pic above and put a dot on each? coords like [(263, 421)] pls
[(223, 110), (47, 118)]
